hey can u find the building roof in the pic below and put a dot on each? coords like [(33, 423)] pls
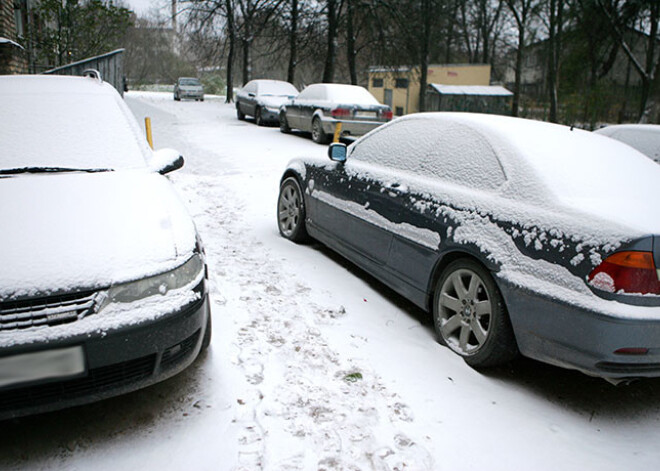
[(483, 90)]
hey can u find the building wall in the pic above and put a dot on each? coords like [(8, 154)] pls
[(12, 59), (403, 84)]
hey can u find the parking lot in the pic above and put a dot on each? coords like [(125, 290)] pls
[(314, 364)]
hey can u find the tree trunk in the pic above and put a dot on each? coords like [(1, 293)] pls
[(424, 62), (329, 69), (519, 59), (230, 56), (293, 40), (350, 43), (245, 49)]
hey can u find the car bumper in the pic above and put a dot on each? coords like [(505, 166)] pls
[(117, 362), (270, 115), (565, 335), (350, 128), (191, 95)]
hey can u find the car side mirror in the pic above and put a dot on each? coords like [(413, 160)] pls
[(165, 161), (251, 95), (337, 152)]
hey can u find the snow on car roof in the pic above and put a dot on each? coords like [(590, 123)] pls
[(75, 122), (643, 137), (568, 165)]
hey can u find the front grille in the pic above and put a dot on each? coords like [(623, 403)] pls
[(97, 381), (178, 352), (50, 311)]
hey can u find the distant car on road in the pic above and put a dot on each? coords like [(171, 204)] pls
[(643, 137), (103, 286), (188, 88), (320, 106), (262, 100), (518, 235)]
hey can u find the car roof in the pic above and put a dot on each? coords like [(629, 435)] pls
[(49, 84)]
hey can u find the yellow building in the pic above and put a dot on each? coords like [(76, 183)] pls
[(398, 87)]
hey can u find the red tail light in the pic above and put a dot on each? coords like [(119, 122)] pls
[(630, 272), (387, 114), (339, 113)]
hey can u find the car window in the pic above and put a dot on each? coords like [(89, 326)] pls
[(433, 148), (189, 82), (276, 88), (313, 92), (251, 87)]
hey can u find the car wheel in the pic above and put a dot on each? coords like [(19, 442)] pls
[(284, 124), (257, 117), (470, 316), (239, 114), (201, 99), (291, 211), (206, 341), (177, 97), (318, 135)]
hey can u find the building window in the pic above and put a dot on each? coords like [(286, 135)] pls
[(377, 83), (401, 83), (398, 111)]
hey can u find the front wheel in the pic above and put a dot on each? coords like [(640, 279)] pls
[(470, 316), (284, 124), (258, 118), (239, 114), (318, 135), (291, 211)]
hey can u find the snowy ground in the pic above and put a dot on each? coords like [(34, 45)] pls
[(316, 366)]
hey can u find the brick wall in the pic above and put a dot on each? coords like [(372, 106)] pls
[(12, 59)]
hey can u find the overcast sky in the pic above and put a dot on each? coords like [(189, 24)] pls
[(144, 7)]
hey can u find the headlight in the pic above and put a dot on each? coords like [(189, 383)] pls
[(158, 284)]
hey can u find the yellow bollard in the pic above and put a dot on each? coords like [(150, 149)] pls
[(147, 126), (337, 132)]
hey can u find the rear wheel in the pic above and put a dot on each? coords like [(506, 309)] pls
[(291, 211), (470, 316), (284, 124), (318, 135)]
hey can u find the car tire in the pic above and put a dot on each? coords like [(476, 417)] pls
[(239, 114), (318, 135), (470, 316), (257, 117), (284, 124), (201, 99), (206, 340), (291, 211), (177, 97)]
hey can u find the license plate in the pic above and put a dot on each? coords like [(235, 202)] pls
[(35, 366), (365, 114)]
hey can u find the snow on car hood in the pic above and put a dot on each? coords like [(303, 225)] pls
[(79, 230)]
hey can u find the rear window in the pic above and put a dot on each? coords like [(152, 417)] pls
[(431, 148), (350, 94), (189, 81)]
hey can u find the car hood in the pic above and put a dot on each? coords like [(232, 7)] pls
[(67, 232), (273, 101)]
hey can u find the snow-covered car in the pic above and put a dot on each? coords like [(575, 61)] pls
[(519, 236), (262, 100), (188, 88), (321, 106), (103, 285), (643, 137)]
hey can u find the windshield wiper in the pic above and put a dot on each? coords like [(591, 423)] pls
[(15, 171)]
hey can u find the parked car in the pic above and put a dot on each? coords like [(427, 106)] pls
[(188, 87), (519, 236), (262, 100), (643, 137), (320, 106), (103, 286)]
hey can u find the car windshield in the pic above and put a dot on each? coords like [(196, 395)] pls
[(277, 89), (190, 82), (73, 131)]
